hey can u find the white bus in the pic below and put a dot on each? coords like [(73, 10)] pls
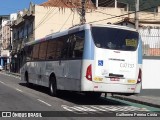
[(93, 59)]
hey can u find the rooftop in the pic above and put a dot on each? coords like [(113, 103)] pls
[(67, 3)]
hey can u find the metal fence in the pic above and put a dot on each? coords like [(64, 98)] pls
[(151, 41)]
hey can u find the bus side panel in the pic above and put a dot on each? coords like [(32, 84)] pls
[(86, 85), (33, 71), (140, 59), (22, 71), (42, 77), (88, 59), (67, 73)]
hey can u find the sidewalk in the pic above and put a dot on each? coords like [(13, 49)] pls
[(11, 73), (145, 100)]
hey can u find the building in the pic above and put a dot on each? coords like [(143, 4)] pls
[(56, 15), (6, 39), (149, 32), (53, 16), (3, 54)]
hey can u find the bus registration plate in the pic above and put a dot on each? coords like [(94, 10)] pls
[(114, 79)]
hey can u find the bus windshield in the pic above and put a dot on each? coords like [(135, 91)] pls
[(115, 39)]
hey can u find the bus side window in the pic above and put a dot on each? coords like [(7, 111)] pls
[(23, 54), (64, 47), (79, 45), (72, 41), (51, 50), (42, 50), (75, 45), (28, 51), (35, 52), (60, 44)]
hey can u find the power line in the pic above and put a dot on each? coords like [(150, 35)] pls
[(73, 16), (104, 13), (44, 19), (65, 21), (46, 15), (122, 15)]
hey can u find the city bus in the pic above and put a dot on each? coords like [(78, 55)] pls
[(90, 59)]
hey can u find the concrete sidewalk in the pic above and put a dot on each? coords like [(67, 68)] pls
[(10, 73), (145, 100)]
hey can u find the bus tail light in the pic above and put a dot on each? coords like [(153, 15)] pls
[(139, 76), (89, 73)]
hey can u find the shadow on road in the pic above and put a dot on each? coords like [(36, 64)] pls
[(76, 98)]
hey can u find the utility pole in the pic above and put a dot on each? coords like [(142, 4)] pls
[(137, 15), (83, 12), (96, 3), (115, 3), (10, 47)]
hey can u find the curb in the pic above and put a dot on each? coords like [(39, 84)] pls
[(11, 73), (14, 74), (136, 101)]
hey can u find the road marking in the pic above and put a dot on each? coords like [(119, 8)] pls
[(2, 82), (100, 109), (44, 102), (19, 90)]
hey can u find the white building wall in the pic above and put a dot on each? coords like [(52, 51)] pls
[(151, 74), (53, 19)]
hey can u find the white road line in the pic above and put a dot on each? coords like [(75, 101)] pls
[(44, 102), (19, 90), (98, 108), (2, 82)]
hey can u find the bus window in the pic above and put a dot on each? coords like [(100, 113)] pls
[(115, 39), (65, 47), (42, 50), (59, 48), (51, 50), (78, 49), (35, 52), (28, 51), (72, 41)]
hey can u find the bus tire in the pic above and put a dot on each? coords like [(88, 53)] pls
[(27, 79), (53, 86)]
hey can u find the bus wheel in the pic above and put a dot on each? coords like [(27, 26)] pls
[(53, 86), (26, 79)]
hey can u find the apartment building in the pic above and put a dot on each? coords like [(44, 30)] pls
[(6, 39), (3, 54)]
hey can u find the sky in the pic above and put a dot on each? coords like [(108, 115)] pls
[(13, 6)]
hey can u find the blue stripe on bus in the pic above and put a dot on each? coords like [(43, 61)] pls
[(140, 52), (88, 46)]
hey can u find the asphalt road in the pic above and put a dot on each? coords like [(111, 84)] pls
[(16, 96)]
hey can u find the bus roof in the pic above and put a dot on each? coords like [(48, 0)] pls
[(76, 29)]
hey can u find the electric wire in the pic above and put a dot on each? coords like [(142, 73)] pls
[(66, 21), (122, 15)]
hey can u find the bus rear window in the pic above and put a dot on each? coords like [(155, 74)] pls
[(115, 39)]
